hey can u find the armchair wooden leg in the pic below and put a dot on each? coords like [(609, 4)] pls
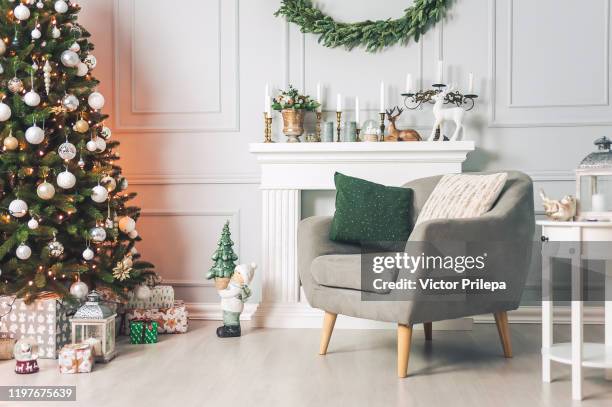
[(404, 336), (428, 330), (501, 320), (329, 320)]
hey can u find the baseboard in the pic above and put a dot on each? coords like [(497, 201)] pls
[(211, 311), (533, 315)]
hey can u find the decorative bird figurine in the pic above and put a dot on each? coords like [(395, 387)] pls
[(560, 210)]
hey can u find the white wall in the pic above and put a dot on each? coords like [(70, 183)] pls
[(184, 81)]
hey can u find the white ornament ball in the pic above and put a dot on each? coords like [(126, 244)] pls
[(97, 234), (79, 290), (2, 47), (33, 224), (109, 183), (70, 58), (82, 69), (18, 208), (66, 180), (67, 151), (23, 252), (5, 111), (100, 144), (21, 12), (61, 6), (142, 292), (31, 98), (99, 194), (35, 135), (106, 132), (96, 100), (133, 234), (127, 224), (75, 47), (91, 61), (55, 33), (91, 146), (11, 143), (45, 191), (36, 34), (70, 102), (88, 254), (40, 4)]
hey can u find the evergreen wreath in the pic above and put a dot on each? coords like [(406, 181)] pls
[(373, 35)]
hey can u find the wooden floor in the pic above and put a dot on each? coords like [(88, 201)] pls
[(282, 368)]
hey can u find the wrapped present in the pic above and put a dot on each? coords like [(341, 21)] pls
[(76, 358), (45, 321), (6, 347), (162, 296), (172, 320), (143, 331)]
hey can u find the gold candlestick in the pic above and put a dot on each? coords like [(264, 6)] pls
[(318, 128), (338, 121), (382, 126), (267, 128), (357, 132)]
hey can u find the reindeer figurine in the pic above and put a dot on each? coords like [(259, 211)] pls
[(442, 115), (399, 135)]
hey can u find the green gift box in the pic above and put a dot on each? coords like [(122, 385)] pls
[(143, 331)]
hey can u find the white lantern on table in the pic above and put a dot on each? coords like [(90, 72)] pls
[(594, 184), (94, 323)]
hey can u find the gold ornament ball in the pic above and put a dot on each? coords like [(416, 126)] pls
[(15, 85), (11, 143), (81, 126)]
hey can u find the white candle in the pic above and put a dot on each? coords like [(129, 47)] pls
[(267, 91), (339, 103), (319, 97), (408, 83), (267, 100), (382, 97), (268, 106), (599, 203), (357, 111), (440, 71), (471, 83)]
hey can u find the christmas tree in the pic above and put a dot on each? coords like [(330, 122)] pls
[(224, 257), (63, 206)]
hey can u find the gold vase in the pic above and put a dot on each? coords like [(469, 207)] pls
[(293, 124)]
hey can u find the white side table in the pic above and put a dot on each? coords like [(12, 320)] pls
[(576, 353)]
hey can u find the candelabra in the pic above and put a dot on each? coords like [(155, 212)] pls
[(338, 123), (318, 128), (267, 128), (415, 100), (382, 126)]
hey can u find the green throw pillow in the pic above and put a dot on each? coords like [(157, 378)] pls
[(370, 212)]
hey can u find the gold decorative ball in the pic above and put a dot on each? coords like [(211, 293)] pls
[(11, 143), (81, 126)]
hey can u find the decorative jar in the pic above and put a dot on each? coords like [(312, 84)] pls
[(293, 124)]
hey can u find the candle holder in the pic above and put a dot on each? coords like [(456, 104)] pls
[(357, 133), (318, 128), (416, 100), (338, 127), (267, 128), (382, 126)]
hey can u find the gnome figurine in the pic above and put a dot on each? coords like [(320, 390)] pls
[(233, 298)]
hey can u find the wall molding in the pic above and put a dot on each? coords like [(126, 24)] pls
[(193, 179)]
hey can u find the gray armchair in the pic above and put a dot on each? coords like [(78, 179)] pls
[(330, 272)]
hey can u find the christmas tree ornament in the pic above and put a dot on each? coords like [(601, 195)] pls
[(124, 267), (47, 76), (15, 85), (79, 290), (70, 102), (88, 254), (1, 67), (23, 252), (91, 61), (56, 249), (97, 234), (133, 234), (66, 179), (70, 58), (106, 133), (34, 134), (76, 29), (36, 34), (40, 4), (142, 292), (21, 12), (91, 146), (67, 151), (82, 69), (81, 163), (16, 41), (60, 6), (18, 208), (2, 47), (123, 184), (75, 47), (96, 101), (81, 126), (11, 143), (224, 259), (109, 183), (55, 32), (99, 194), (45, 191), (5, 111), (31, 98), (100, 144), (127, 224), (33, 224), (109, 223)]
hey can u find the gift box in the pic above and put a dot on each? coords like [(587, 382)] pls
[(45, 321), (172, 320), (143, 331), (76, 358), (162, 296), (6, 347)]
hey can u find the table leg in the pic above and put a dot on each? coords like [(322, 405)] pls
[(577, 332), (608, 313), (547, 317)]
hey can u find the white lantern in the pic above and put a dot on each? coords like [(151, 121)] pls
[(594, 184), (94, 323)]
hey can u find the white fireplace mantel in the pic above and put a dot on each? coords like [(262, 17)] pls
[(289, 168)]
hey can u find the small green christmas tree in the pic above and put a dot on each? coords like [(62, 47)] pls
[(224, 257)]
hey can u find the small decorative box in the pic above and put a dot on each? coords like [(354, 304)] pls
[(171, 320), (143, 331), (76, 358)]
